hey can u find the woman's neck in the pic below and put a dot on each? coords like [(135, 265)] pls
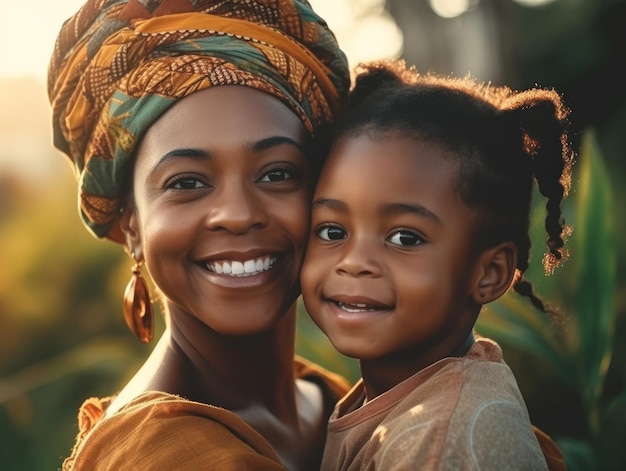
[(238, 373), (252, 376)]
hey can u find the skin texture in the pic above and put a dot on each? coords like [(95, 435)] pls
[(212, 188), (223, 178), (393, 273)]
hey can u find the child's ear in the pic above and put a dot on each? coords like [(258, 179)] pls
[(496, 268), (129, 224)]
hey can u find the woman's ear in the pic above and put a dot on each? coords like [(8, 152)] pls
[(129, 225), (496, 268)]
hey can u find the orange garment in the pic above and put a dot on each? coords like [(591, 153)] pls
[(462, 413), (161, 431)]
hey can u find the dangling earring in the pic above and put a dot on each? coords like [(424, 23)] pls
[(137, 305)]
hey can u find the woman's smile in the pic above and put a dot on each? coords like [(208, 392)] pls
[(237, 184), (242, 272), (250, 267)]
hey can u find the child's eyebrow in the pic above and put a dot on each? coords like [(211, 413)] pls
[(392, 208), (329, 203), (418, 209)]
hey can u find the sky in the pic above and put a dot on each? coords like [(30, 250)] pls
[(27, 39)]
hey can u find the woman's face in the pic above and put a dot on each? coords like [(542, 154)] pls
[(221, 215)]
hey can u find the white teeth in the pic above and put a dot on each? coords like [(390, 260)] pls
[(237, 268), (247, 268), (354, 307)]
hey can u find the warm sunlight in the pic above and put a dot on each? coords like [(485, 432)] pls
[(27, 34), (28, 30)]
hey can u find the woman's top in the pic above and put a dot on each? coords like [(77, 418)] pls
[(161, 431), (459, 413)]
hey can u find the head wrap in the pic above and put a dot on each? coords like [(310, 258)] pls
[(119, 64)]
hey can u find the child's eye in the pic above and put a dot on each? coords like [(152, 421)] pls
[(405, 238), (278, 175), (186, 183), (329, 232)]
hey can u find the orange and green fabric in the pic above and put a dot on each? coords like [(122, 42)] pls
[(118, 65)]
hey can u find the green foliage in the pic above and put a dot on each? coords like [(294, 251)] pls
[(580, 350), (63, 338), (311, 343)]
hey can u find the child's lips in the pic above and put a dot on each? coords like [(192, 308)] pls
[(357, 304), (353, 308)]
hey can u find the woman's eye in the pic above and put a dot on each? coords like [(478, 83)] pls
[(331, 233), (187, 183), (405, 238), (278, 175)]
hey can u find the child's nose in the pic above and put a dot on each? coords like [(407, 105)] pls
[(360, 257)]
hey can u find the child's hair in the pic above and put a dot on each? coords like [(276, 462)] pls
[(500, 137)]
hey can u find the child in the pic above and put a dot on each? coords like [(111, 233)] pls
[(420, 217)]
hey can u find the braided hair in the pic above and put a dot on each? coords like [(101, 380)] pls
[(504, 142)]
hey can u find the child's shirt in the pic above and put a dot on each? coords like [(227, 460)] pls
[(462, 413)]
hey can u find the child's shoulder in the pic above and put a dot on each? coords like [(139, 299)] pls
[(461, 411), (478, 385)]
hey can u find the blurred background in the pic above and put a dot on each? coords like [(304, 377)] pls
[(62, 337)]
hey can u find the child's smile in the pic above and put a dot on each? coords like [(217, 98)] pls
[(391, 255), (357, 308)]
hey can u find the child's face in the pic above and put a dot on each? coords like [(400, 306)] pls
[(391, 256)]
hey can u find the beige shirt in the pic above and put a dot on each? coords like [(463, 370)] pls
[(462, 413)]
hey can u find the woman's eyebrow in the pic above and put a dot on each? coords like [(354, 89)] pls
[(274, 141), (199, 154), (187, 153), (190, 153)]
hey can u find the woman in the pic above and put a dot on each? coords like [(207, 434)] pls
[(193, 127)]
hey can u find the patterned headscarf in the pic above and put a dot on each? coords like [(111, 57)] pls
[(119, 64)]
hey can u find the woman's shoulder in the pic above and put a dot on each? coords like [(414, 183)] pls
[(156, 430), (330, 382)]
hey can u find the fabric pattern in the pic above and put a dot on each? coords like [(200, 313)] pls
[(119, 64)]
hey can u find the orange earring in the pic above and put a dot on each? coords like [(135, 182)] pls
[(137, 305)]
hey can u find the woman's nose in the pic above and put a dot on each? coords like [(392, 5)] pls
[(236, 208), (360, 257)]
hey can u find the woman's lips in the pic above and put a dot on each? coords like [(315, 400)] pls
[(237, 268)]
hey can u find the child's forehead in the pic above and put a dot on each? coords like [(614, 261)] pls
[(387, 146), (389, 160), (383, 183)]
